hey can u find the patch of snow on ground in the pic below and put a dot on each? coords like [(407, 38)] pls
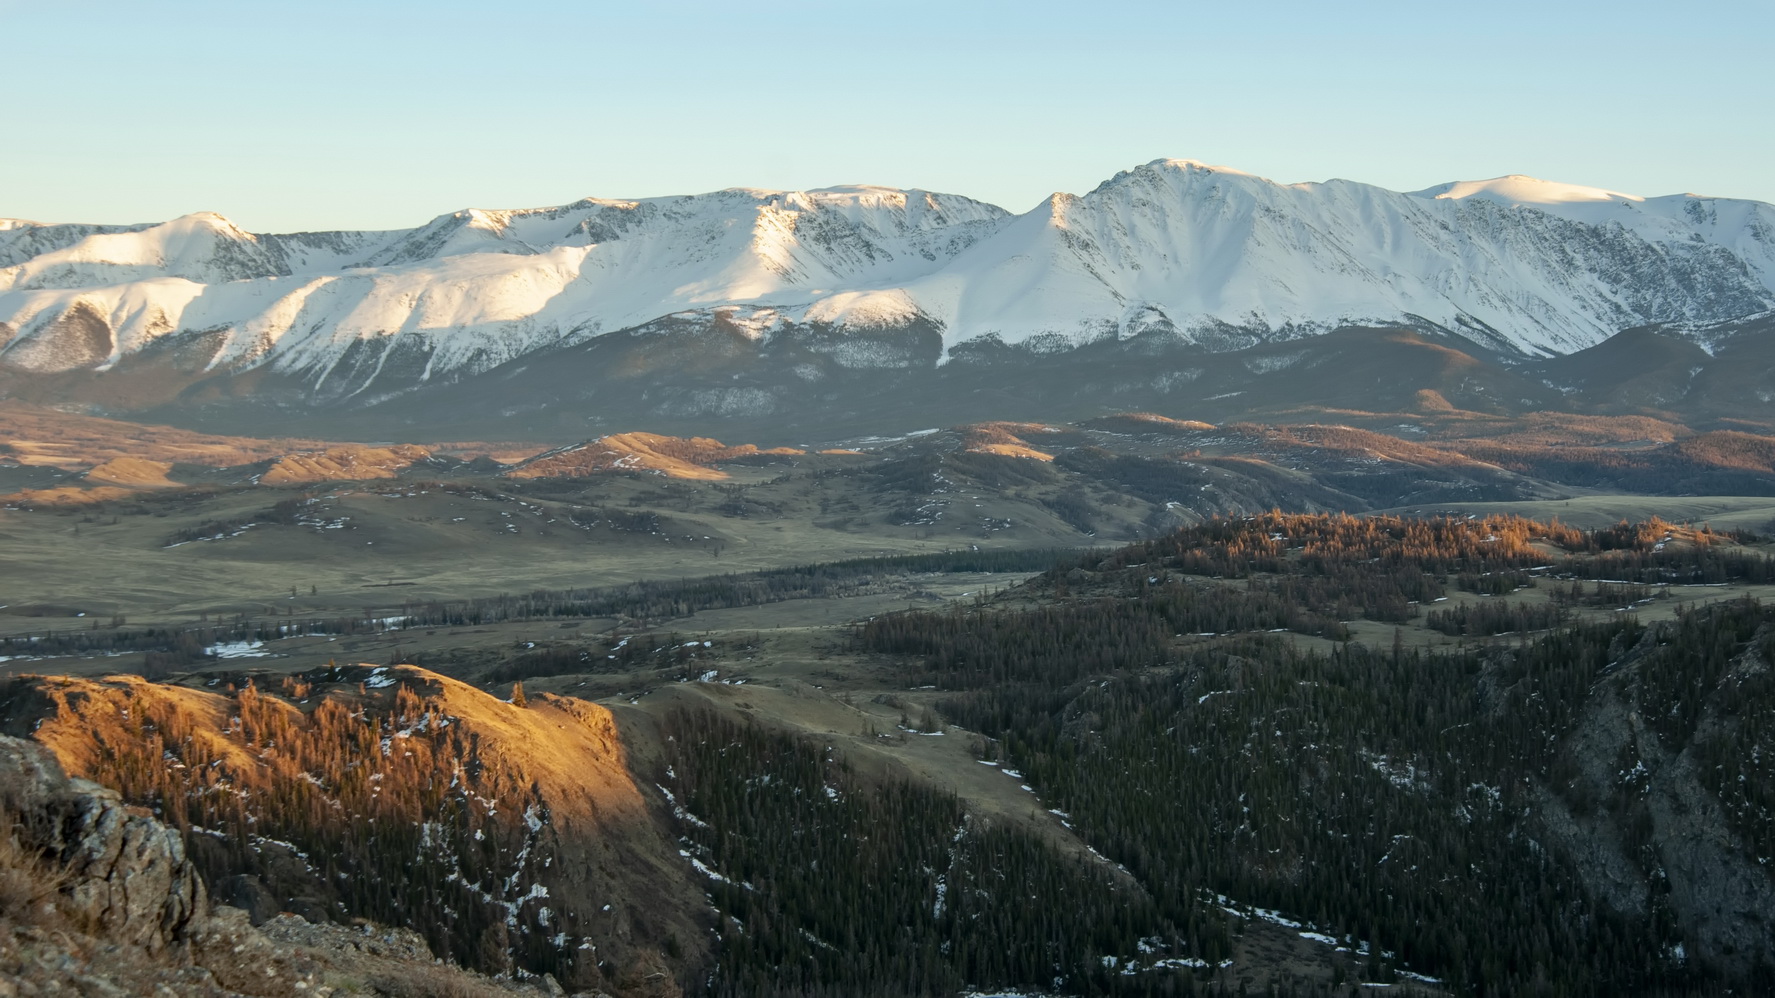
[(703, 868), (237, 649)]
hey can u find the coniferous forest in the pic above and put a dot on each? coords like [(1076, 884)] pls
[(1441, 808), (830, 884)]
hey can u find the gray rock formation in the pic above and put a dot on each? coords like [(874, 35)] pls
[(127, 875)]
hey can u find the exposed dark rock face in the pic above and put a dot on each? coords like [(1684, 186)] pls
[(249, 894), (1638, 818)]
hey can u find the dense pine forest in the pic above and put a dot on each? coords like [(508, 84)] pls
[(829, 884), (1397, 798)]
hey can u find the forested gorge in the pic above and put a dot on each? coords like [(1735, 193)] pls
[(831, 884), (1332, 788), (1389, 796)]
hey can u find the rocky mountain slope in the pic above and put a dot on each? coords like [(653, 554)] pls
[(512, 836), (97, 897), (811, 283)]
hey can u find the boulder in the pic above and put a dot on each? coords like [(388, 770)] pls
[(249, 894)]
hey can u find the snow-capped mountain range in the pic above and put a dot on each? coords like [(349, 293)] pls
[(1199, 253)]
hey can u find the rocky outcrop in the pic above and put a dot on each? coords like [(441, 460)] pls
[(127, 876), (98, 898)]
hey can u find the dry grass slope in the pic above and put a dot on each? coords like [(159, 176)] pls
[(134, 472), (1006, 440), (47, 437), (675, 457), (347, 463)]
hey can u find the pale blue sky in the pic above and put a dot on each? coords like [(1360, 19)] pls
[(324, 114)]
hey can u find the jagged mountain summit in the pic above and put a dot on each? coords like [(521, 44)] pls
[(860, 278), (472, 288)]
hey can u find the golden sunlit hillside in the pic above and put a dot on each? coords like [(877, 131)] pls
[(674, 457)]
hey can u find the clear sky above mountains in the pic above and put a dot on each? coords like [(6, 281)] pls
[(325, 114)]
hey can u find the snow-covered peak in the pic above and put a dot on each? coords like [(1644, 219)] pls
[(1205, 167), (1517, 189), (203, 247), (1180, 170), (1744, 229), (865, 190), (1209, 254), (1178, 245), (213, 219)]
